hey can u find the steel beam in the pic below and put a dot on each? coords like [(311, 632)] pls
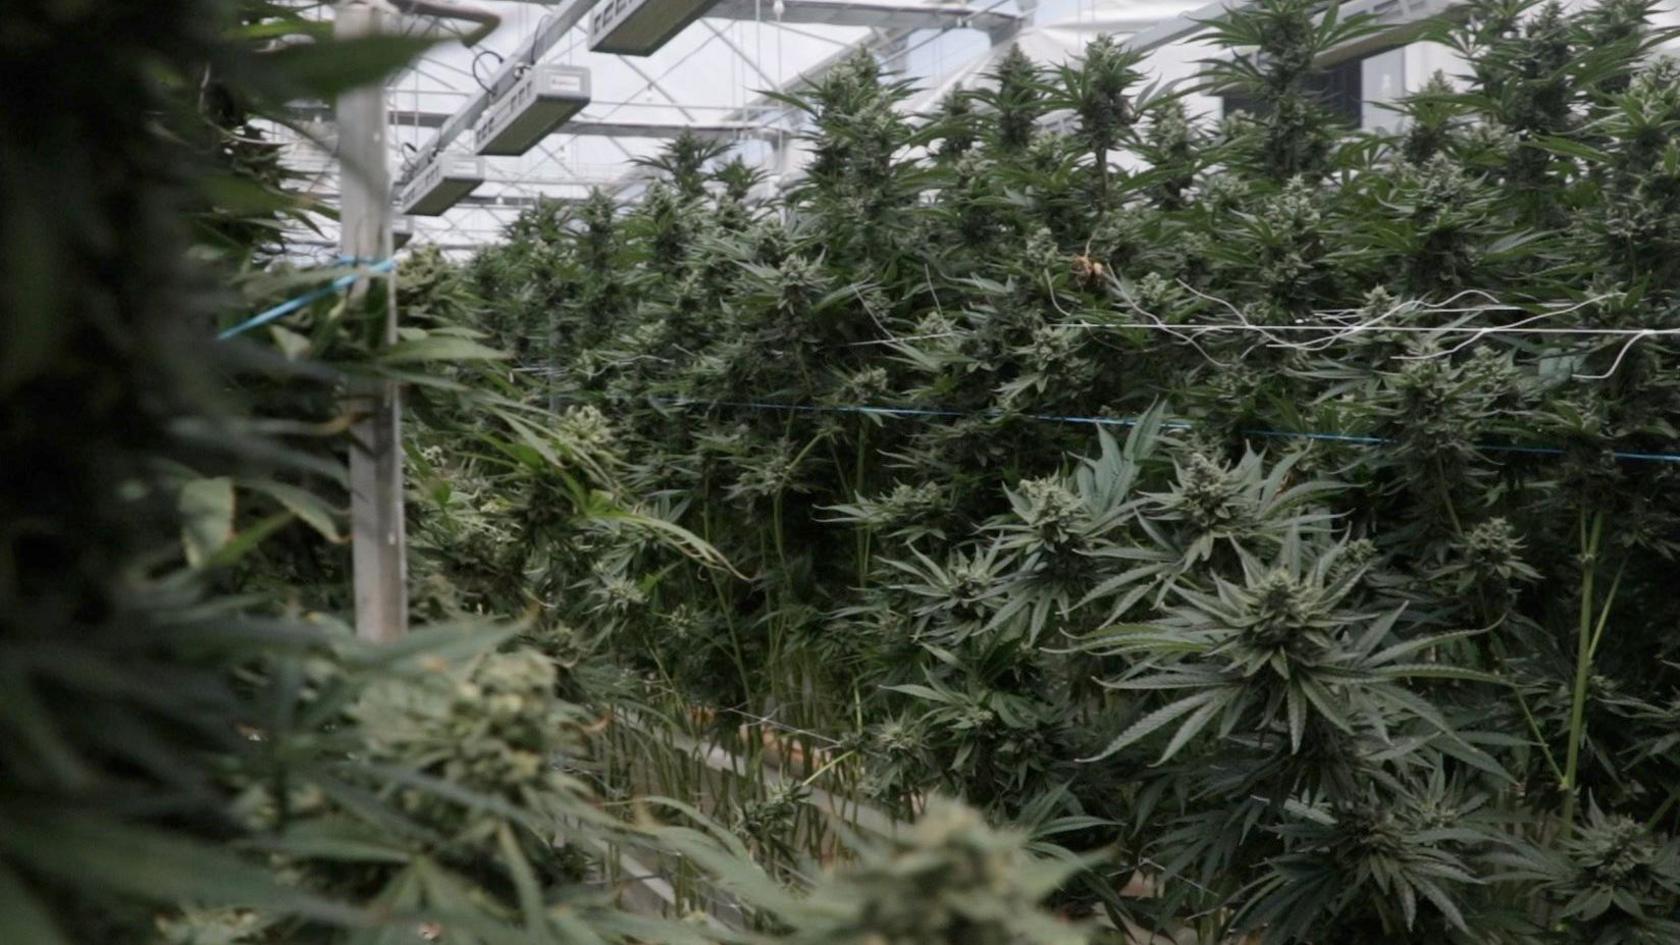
[(610, 128), (588, 127), (886, 16)]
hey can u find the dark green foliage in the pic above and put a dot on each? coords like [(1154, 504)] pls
[(193, 748), (117, 676), (1016, 99), (1279, 44), (181, 764), (1213, 509), (1100, 90)]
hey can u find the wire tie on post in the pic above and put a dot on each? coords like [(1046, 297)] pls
[(314, 295)]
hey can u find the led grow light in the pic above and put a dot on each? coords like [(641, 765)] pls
[(638, 27), (538, 103), (402, 231), (441, 184)]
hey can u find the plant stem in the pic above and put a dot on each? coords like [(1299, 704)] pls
[(820, 771), (1583, 666), (725, 608), (863, 534), (1539, 736), (1604, 613), (776, 532), (1446, 497)]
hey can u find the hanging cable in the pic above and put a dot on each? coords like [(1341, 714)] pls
[(475, 60)]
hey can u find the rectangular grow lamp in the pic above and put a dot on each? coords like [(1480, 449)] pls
[(639, 27), (402, 231), (541, 101), (442, 184)]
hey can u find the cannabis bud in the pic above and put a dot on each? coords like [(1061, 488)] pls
[(1051, 510), (1495, 550), (1208, 493)]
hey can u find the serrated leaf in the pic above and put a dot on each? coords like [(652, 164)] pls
[(920, 692), (310, 508), (1190, 728), (1153, 722), (1440, 671)]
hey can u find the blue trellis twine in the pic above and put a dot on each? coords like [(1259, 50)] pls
[(314, 295), (1361, 440)]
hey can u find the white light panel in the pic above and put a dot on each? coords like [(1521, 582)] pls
[(638, 27), (541, 101), (441, 184)]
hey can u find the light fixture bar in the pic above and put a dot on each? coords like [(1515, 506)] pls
[(639, 27), (441, 185), (538, 103)]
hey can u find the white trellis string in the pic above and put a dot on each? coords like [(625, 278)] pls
[(1341, 327), (1160, 324), (1339, 332)]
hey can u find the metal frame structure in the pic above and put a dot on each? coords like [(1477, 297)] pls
[(531, 145)]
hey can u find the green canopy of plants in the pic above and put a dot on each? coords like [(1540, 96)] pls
[(193, 746), (1286, 509)]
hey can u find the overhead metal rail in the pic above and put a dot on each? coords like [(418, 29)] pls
[(886, 16), (639, 27), (588, 127), (329, 196), (486, 20), (611, 128), (518, 201), (540, 102)]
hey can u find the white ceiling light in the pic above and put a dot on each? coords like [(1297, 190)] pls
[(441, 184), (638, 27), (538, 103)]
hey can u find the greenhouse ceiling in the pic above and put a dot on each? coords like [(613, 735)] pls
[(704, 66)]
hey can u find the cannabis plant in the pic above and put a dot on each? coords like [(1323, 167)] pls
[(1286, 512)]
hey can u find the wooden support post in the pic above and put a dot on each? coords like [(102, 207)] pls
[(379, 547)]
